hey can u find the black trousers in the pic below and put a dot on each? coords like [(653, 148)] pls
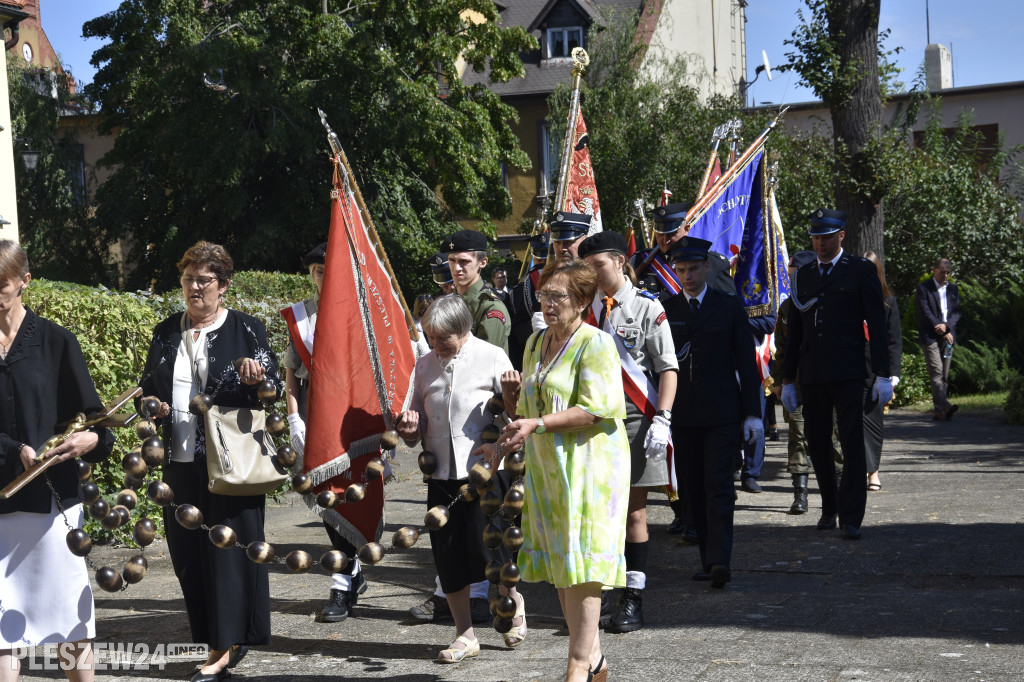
[(874, 433), (847, 398), (704, 458), (227, 596)]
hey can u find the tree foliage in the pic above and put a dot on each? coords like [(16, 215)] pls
[(220, 140)]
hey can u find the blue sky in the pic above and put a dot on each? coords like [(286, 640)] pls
[(985, 37)]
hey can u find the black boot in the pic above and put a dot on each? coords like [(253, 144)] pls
[(631, 612), (799, 494), (606, 610), (339, 606)]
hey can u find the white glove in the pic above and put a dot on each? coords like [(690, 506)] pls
[(298, 434), (753, 428), (657, 437), (789, 400), (537, 322), (895, 382), (882, 391)]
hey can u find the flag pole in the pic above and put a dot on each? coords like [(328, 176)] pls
[(580, 60), (340, 157), (716, 139)]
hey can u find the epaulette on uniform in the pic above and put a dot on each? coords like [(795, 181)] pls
[(646, 294), (489, 295)]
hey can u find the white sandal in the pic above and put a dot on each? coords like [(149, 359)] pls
[(455, 655), (517, 636)]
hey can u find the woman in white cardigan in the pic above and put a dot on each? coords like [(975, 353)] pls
[(449, 411)]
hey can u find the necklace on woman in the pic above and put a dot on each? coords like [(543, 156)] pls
[(8, 338), (544, 369)]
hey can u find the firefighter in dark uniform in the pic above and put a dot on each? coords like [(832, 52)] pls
[(711, 412), (657, 276), (467, 257), (441, 273), (567, 231), (833, 298), (523, 304)]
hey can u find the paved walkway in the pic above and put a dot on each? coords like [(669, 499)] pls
[(934, 590)]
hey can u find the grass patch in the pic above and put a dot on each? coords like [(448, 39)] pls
[(974, 405)]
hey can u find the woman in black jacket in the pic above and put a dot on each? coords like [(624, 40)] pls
[(226, 595), (873, 427), (44, 589)]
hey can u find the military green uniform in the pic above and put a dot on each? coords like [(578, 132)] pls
[(490, 316)]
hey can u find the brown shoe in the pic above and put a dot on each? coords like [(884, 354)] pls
[(939, 415)]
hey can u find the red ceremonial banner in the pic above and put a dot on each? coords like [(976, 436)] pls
[(581, 191), (362, 365)]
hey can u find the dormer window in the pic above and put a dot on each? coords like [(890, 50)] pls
[(562, 40)]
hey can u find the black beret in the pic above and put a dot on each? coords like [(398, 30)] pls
[(317, 256), (464, 240), (602, 242)]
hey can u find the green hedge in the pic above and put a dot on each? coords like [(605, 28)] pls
[(115, 329)]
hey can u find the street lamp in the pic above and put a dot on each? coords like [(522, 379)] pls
[(31, 159)]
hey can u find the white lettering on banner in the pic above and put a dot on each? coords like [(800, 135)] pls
[(378, 299), (109, 655), (741, 200)]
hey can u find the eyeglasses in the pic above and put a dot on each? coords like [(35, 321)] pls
[(203, 282), (552, 296)]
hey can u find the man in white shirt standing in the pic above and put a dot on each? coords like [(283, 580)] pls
[(938, 311)]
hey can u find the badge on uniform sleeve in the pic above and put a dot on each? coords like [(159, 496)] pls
[(660, 319), (629, 336), (497, 314)]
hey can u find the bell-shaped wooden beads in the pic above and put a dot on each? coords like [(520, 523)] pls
[(84, 470), (223, 536), (480, 473), (505, 608), (495, 404), (149, 406), (489, 502), (512, 505), (99, 509), (513, 538), (502, 625), (327, 499), (128, 499), (371, 553), (200, 404), (188, 516), (153, 451), (389, 440), (427, 462), (134, 569), (374, 469), (436, 517), (108, 579), (334, 561), (123, 512), (79, 542), (298, 561), (90, 492), (134, 465), (133, 483), (492, 537), (467, 492), (144, 532), (492, 571), (145, 428), (490, 434), (286, 456), (355, 492), (301, 484), (276, 425), (515, 464), (510, 574), (159, 493), (405, 537), (260, 552), (266, 391), (112, 520)]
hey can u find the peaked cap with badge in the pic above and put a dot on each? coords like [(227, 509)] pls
[(828, 221), (568, 227), (669, 218)]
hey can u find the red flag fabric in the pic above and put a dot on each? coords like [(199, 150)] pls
[(665, 194), (716, 172), (631, 245), (362, 365), (581, 192)]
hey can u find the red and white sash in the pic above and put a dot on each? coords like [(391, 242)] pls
[(663, 271), (639, 389), (300, 329)]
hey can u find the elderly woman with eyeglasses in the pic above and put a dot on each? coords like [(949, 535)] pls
[(227, 597), (571, 406)]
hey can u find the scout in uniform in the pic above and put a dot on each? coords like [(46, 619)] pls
[(637, 322), (712, 410), (833, 298)]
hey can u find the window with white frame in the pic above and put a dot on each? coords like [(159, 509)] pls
[(562, 40), (549, 158)]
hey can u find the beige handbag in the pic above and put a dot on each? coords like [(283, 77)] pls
[(239, 451)]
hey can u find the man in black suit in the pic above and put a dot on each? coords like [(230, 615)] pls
[(833, 298), (711, 411), (938, 311), (522, 303)]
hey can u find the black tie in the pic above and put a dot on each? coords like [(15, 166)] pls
[(695, 304), (825, 267)]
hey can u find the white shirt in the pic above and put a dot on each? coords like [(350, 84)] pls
[(699, 297), (451, 398), (184, 388), (831, 262), (943, 304)]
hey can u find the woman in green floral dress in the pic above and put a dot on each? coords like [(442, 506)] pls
[(571, 407)]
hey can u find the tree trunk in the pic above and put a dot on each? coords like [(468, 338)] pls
[(853, 28)]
